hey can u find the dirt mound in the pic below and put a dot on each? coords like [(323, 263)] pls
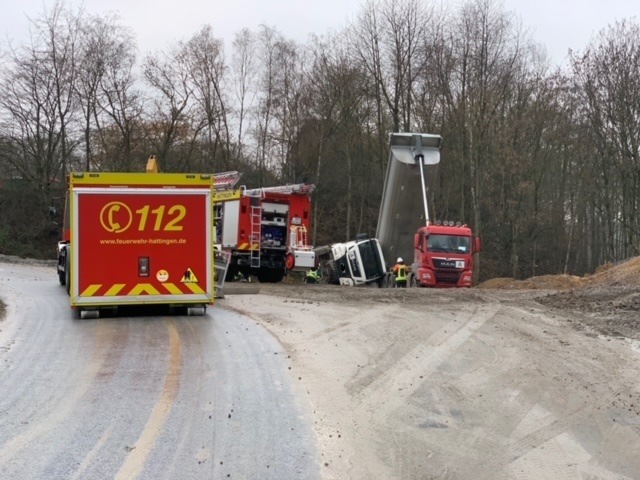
[(622, 273), (608, 301), (543, 282)]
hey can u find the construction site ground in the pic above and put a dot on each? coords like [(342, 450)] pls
[(533, 379), (512, 379)]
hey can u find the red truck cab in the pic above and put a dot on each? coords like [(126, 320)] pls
[(443, 256)]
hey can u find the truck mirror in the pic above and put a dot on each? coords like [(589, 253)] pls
[(477, 244), (417, 241)]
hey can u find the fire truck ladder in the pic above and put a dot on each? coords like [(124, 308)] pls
[(301, 188), (254, 236), (225, 180)]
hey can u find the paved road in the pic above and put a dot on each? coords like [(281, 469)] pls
[(142, 396)]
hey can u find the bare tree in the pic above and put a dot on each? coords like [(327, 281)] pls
[(207, 73), (387, 40), (106, 60), (606, 76), (120, 126), (38, 100), (244, 71), (175, 123), (268, 42), (486, 48)]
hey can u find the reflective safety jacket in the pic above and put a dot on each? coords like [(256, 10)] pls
[(400, 271), (313, 274)]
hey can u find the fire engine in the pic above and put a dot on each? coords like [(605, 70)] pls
[(442, 251), (137, 239), (265, 230)]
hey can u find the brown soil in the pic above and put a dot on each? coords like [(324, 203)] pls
[(608, 301), (513, 379)]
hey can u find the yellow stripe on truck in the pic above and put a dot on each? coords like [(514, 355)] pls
[(194, 287), (248, 246), (140, 288), (114, 290), (144, 288), (172, 289), (91, 290)]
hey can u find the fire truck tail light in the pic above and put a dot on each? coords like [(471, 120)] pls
[(143, 266)]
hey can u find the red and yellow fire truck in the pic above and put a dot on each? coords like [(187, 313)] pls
[(264, 229), (137, 239)]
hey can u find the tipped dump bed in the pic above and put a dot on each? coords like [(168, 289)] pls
[(402, 208)]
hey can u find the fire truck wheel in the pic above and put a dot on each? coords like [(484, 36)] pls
[(61, 274), (231, 274), (270, 275), (87, 314), (67, 273), (196, 311)]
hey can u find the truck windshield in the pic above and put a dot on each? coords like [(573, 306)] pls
[(448, 243), (370, 259)]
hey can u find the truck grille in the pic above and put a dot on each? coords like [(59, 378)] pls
[(449, 277), (445, 263)]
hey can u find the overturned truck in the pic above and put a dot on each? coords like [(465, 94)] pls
[(354, 263)]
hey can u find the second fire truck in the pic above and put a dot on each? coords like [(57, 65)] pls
[(264, 229)]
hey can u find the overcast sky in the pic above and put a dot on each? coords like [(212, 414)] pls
[(557, 24)]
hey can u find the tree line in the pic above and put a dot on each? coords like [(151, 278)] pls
[(542, 161)]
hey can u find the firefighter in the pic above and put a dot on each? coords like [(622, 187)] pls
[(401, 271), (312, 276)]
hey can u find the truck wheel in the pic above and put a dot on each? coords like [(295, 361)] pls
[(270, 275), (89, 314), (196, 311), (330, 272), (277, 276), (67, 274), (231, 275), (62, 275)]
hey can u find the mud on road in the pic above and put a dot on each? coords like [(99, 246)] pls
[(612, 310), (483, 383), (606, 302)]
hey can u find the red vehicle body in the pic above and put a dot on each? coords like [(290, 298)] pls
[(137, 238), (265, 230), (443, 256)]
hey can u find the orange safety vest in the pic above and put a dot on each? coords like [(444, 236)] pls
[(401, 272)]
